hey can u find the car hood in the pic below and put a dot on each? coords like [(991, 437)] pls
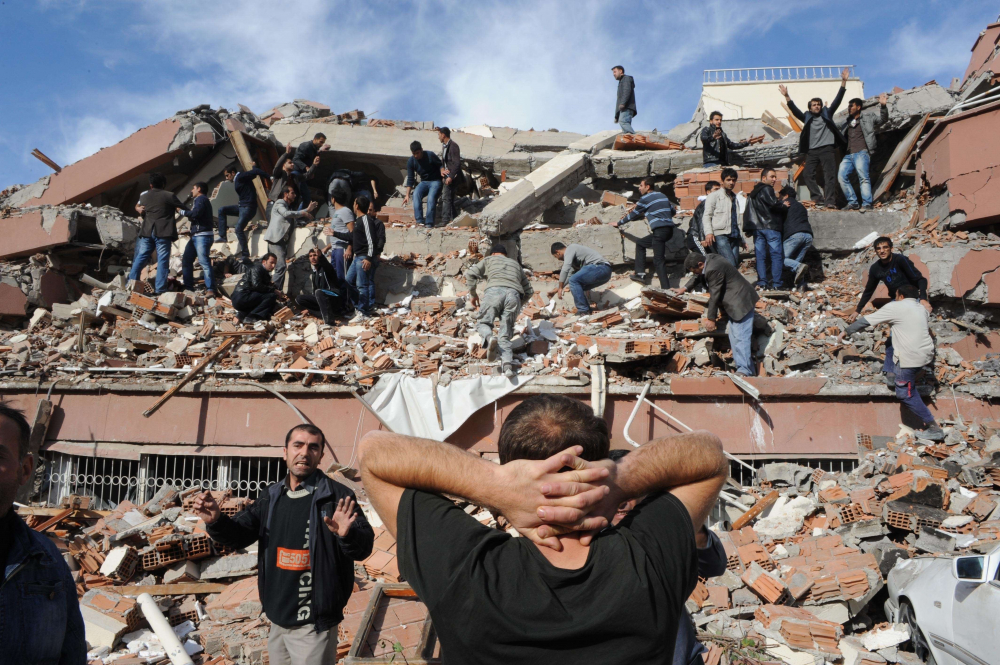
[(906, 570)]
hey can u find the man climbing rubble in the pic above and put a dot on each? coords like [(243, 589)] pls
[(280, 229), (158, 208), (583, 269), (506, 291), (659, 212), (200, 242), (560, 594), (310, 532), (796, 234), (246, 208), (911, 350), (40, 619), (428, 166), (727, 288)]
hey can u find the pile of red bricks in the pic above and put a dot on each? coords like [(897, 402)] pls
[(689, 186)]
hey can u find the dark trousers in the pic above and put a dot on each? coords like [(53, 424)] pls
[(448, 201), (657, 241), (246, 213), (827, 158), (326, 305), (252, 303)]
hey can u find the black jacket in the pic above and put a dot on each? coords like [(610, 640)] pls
[(160, 206), (324, 277), (726, 287), (305, 153), (331, 558), (255, 280), (626, 96), (298, 180), (716, 150), (764, 211), (245, 189), (695, 233), (368, 238), (796, 220), (200, 215), (827, 114)]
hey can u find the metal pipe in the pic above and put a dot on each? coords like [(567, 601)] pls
[(165, 370), (172, 645), (279, 396)]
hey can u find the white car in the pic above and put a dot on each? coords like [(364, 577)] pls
[(952, 606)]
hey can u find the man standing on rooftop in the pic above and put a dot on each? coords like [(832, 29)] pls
[(625, 106)]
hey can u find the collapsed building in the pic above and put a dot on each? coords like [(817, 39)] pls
[(138, 401)]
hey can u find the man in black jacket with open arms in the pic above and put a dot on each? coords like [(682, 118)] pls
[(309, 531), (562, 594)]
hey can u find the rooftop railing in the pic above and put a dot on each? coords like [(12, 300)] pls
[(776, 74)]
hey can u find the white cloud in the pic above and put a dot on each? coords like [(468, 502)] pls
[(938, 50)]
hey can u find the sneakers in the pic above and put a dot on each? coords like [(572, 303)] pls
[(890, 380), (492, 349), (932, 433), (866, 208), (508, 370), (854, 206), (639, 279), (800, 272), (358, 317)]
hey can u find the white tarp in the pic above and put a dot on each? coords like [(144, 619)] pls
[(406, 403)]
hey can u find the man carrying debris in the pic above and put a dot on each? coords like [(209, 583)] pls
[(200, 242), (715, 145), (625, 104), (255, 296), (659, 212), (327, 296), (695, 241), (157, 207), (719, 222), (507, 289), (819, 141), (859, 133), (911, 350), (583, 269), (310, 532), (796, 234), (764, 217), (451, 158), (246, 208), (40, 619), (428, 166), (727, 287), (560, 594), (893, 270), (280, 228)]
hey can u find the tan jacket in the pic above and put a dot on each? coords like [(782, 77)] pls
[(717, 219)]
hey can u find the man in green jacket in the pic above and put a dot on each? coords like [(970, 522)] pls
[(507, 289)]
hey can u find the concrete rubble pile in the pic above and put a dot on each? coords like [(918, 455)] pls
[(808, 551)]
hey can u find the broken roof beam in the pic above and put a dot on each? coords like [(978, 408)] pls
[(45, 159), (534, 194)]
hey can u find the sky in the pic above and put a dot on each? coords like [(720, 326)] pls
[(79, 75)]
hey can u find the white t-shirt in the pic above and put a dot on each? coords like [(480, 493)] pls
[(912, 344)]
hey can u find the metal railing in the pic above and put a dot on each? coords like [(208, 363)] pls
[(110, 481), (776, 74)]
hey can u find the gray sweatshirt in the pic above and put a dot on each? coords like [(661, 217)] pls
[(339, 221), (912, 344), (576, 257), (498, 270)]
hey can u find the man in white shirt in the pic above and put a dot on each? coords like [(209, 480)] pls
[(912, 349)]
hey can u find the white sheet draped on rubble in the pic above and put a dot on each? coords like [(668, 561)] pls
[(406, 403)]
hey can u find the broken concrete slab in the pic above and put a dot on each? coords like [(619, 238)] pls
[(595, 142), (839, 230), (531, 196), (41, 229)]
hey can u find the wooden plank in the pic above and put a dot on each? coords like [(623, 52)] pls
[(44, 159), (226, 344), (45, 511), (755, 511), (899, 157), (182, 589), (39, 429), (246, 161), (792, 120), (771, 121), (55, 519)]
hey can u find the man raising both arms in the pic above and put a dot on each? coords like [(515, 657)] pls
[(557, 595)]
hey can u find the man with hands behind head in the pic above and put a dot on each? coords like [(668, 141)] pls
[(563, 593), (310, 531)]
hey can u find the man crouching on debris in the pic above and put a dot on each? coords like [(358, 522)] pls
[(728, 288), (40, 619), (912, 349), (310, 531), (507, 289), (561, 594), (255, 296)]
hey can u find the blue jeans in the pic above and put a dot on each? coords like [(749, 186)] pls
[(585, 279), (338, 263), (143, 252), (729, 248), (767, 242), (362, 283), (197, 245), (740, 338), (796, 246), (428, 189), (625, 120), (857, 162), (246, 213), (906, 392)]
